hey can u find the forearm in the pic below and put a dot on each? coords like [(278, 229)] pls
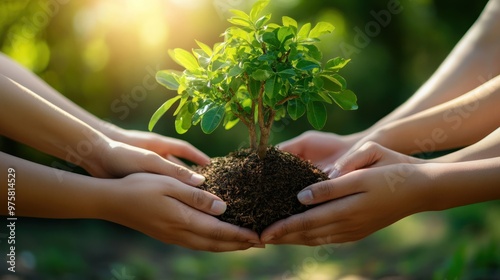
[(473, 61), (16, 72), (456, 123), (488, 147), (30, 119), (45, 192), (457, 184)]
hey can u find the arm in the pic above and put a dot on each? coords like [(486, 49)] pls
[(372, 155), (163, 146), (364, 201), (24, 115), (453, 124), (165, 208), (472, 62)]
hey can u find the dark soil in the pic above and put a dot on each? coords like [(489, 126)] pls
[(259, 192)]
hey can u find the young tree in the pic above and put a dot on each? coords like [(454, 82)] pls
[(259, 74)]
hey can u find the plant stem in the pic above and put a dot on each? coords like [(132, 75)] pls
[(264, 130)]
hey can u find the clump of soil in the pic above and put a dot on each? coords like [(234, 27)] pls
[(259, 192)]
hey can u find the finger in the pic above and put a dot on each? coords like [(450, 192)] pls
[(187, 151), (197, 198), (215, 229), (176, 160), (156, 164), (328, 190), (297, 223), (367, 155), (328, 234), (292, 147)]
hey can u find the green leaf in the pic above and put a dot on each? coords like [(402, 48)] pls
[(168, 78), (212, 119), (262, 75), (262, 21), (336, 63), (285, 33), (338, 80), (324, 96), (316, 114), (181, 103), (271, 39), (296, 109), (314, 52), (240, 14), (183, 120), (287, 73), (269, 87), (205, 48), (320, 29), (235, 71), (230, 120), (184, 58), (345, 99), (288, 21), (240, 21), (163, 108), (254, 87), (306, 65), (304, 31), (257, 8)]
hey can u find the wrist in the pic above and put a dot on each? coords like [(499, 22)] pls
[(111, 131)]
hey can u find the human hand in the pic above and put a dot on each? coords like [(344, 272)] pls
[(173, 212), (112, 159), (354, 205), (166, 147), (321, 148), (370, 154)]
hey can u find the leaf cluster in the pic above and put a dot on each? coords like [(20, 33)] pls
[(260, 73)]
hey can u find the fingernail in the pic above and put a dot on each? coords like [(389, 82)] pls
[(197, 179), (218, 207), (268, 238), (260, 246), (305, 197), (253, 241), (333, 174)]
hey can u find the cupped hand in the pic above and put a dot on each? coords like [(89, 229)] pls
[(174, 213), (354, 206), (116, 159), (321, 148), (166, 147), (370, 154)]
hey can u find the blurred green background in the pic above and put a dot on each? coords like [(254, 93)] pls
[(103, 55)]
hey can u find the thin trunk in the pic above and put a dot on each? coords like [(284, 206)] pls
[(253, 137), (264, 137)]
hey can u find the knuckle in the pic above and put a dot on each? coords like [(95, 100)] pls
[(308, 238), (198, 198), (181, 172), (217, 234), (323, 190)]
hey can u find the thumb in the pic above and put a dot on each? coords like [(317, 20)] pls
[(327, 190), (367, 155)]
